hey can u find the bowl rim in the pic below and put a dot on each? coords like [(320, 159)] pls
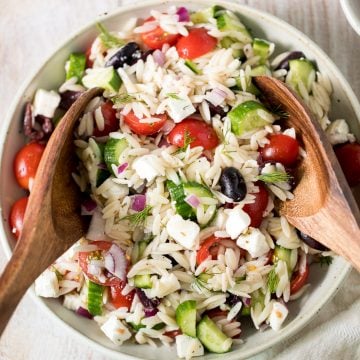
[(351, 16), (294, 326)]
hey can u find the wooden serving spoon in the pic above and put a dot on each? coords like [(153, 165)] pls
[(323, 206), (52, 220)]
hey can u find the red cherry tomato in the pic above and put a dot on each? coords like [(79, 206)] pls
[(282, 148), (216, 312), (298, 280), (140, 128), (110, 119), (349, 159), (84, 256), (26, 163), (118, 299), (173, 334), (196, 44), (197, 132), (17, 214), (89, 62), (257, 208), (156, 38)]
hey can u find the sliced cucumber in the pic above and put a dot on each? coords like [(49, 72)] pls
[(113, 150), (192, 66), (138, 251), (260, 70), (204, 277), (228, 21), (186, 317), (281, 253), (97, 175), (249, 116), (203, 16), (75, 66), (257, 297), (143, 281), (95, 298), (262, 49), (106, 78), (227, 43), (301, 70), (212, 337)]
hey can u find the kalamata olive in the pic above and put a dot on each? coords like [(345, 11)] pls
[(68, 98), (232, 299), (216, 110), (293, 55), (233, 184), (308, 240), (129, 54)]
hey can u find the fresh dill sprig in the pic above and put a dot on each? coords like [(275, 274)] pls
[(173, 96), (280, 112), (187, 141), (325, 260), (139, 218), (199, 286), (122, 99), (272, 281), (108, 39), (275, 177)]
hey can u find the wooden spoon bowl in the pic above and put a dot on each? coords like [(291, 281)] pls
[(52, 220), (323, 206)]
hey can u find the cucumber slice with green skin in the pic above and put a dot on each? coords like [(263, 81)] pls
[(212, 337), (281, 253), (204, 277), (143, 281), (228, 21), (106, 78), (97, 175), (261, 48), (138, 251), (260, 70), (227, 43), (203, 16), (75, 66), (186, 317), (113, 150), (301, 70), (192, 66), (257, 297), (246, 117), (95, 298)]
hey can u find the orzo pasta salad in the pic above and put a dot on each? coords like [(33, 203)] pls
[(182, 164)]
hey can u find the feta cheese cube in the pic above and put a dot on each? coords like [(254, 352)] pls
[(165, 285), (116, 331), (180, 108), (338, 132), (45, 103), (187, 347), (72, 301), (148, 167), (184, 232), (237, 222), (278, 315), (47, 284), (254, 242)]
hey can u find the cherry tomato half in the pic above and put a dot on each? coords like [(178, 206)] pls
[(196, 132), (156, 38), (173, 334), (141, 128), (26, 163), (282, 148), (196, 44), (118, 299), (349, 159), (84, 256), (257, 208), (17, 214), (110, 119), (298, 280)]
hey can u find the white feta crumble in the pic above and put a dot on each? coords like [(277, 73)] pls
[(45, 103), (277, 316), (338, 132), (187, 347), (165, 285), (184, 232), (72, 301), (47, 284), (237, 222), (180, 108), (116, 331), (148, 167), (254, 242)]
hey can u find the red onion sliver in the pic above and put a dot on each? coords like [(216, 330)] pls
[(109, 263), (193, 201), (88, 207), (138, 202), (216, 96), (97, 227), (121, 168), (159, 57), (83, 312), (183, 14), (246, 301), (119, 261), (168, 126)]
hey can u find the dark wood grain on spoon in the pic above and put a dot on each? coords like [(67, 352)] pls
[(52, 221), (324, 206)]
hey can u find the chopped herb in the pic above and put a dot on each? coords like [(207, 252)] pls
[(192, 66), (122, 99), (139, 218), (272, 281), (325, 260), (200, 287), (274, 177), (108, 40), (173, 96), (281, 113), (57, 273), (187, 141)]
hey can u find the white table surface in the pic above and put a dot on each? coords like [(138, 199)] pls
[(31, 29)]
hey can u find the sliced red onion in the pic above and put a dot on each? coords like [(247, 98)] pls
[(121, 168), (159, 57), (120, 262), (109, 263), (168, 126), (88, 207), (97, 227), (246, 301), (193, 201), (216, 96), (150, 305), (83, 312), (150, 312), (163, 143), (183, 14), (102, 166), (138, 202)]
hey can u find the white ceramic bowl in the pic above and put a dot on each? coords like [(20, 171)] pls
[(324, 282), (351, 9)]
